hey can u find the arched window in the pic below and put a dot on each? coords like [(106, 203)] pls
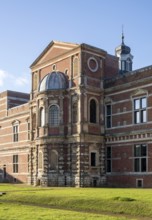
[(53, 159), (129, 65), (42, 117), (75, 112), (93, 111), (15, 125), (54, 115)]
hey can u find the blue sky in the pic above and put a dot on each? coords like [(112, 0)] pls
[(28, 26)]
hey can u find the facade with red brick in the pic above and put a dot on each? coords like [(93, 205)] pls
[(86, 122)]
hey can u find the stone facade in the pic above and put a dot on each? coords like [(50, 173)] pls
[(84, 124)]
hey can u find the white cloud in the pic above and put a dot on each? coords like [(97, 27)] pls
[(9, 81), (3, 76), (22, 81)]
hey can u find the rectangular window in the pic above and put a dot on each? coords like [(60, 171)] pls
[(109, 156), (140, 111), (139, 183), (15, 133), (93, 159), (108, 116), (140, 158), (15, 163)]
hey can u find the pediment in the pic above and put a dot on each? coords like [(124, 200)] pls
[(15, 122), (139, 92), (53, 50), (107, 100)]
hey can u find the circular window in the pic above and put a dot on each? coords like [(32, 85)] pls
[(92, 64)]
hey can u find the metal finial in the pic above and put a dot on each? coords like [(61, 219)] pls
[(122, 35)]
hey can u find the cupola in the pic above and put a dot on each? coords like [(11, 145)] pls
[(123, 52)]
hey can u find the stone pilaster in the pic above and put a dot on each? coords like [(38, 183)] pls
[(69, 119), (44, 177), (61, 113)]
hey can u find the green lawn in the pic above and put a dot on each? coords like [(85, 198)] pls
[(21, 202)]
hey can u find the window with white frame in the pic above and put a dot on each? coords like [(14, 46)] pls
[(140, 110), (15, 163), (54, 115), (140, 158), (15, 132)]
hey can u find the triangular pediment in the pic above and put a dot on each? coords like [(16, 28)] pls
[(53, 50)]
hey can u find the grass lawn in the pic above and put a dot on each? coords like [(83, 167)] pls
[(24, 212), (22, 202)]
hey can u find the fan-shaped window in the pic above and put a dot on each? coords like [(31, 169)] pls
[(93, 111), (75, 112), (53, 159), (75, 66), (54, 115), (42, 117)]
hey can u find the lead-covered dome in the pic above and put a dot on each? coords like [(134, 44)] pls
[(53, 81), (122, 49)]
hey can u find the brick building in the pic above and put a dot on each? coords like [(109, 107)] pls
[(87, 121)]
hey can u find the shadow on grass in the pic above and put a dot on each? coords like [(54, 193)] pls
[(125, 199)]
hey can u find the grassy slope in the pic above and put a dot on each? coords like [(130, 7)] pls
[(137, 202)]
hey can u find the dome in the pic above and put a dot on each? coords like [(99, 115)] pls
[(123, 49), (53, 81)]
